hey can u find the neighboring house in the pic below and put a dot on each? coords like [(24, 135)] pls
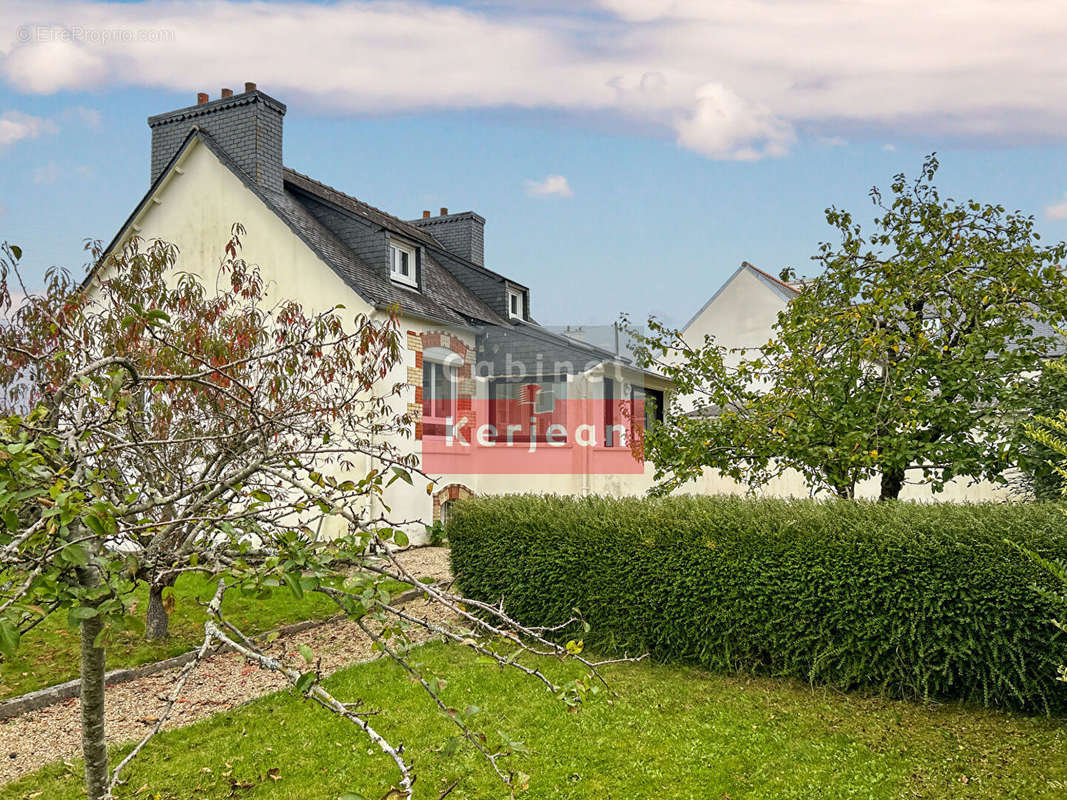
[(472, 347), (740, 316), (741, 313)]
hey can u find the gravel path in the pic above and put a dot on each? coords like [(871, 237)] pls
[(221, 682)]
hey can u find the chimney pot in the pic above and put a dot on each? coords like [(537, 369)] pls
[(426, 214), (249, 86), (444, 211), (249, 133)]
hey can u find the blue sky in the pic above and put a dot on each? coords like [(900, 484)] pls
[(681, 145)]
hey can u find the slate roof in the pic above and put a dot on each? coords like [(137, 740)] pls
[(540, 351), (365, 210), (443, 297)]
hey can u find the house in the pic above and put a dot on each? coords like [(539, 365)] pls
[(474, 358), (740, 314)]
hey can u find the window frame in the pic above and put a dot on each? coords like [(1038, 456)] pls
[(560, 387), (450, 377), (520, 297), (643, 394), (412, 252)]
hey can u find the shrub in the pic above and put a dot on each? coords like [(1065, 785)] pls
[(921, 601), (436, 534)]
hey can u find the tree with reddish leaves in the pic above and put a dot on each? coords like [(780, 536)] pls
[(204, 388), (156, 425)]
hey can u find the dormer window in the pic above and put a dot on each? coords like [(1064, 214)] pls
[(402, 263), (515, 304)]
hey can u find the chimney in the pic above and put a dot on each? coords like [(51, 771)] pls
[(247, 127), (462, 233)]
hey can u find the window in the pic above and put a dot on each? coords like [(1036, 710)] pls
[(649, 401), (438, 397), (514, 402), (402, 264), (446, 511), (515, 304)]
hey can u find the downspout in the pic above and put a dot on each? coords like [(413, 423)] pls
[(586, 455)]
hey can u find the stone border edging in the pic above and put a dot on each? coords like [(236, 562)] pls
[(50, 695)]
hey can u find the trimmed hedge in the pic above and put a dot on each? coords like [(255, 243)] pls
[(920, 601)]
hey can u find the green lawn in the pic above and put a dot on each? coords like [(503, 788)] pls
[(672, 733), (49, 654)]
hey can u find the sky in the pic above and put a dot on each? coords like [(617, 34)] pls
[(626, 154)]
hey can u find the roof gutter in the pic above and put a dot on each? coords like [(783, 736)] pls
[(426, 317)]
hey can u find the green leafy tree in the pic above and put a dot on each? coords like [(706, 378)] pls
[(909, 351), (1039, 473), (1050, 433)]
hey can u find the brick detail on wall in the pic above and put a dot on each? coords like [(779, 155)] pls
[(454, 491), (418, 343)]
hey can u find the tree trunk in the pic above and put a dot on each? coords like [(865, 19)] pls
[(846, 491), (157, 620), (892, 483), (94, 746)]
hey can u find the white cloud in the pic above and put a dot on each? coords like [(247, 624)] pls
[(15, 126), (47, 173), (722, 125), (550, 186), (737, 80), (1057, 210), (833, 141), (889, 148)]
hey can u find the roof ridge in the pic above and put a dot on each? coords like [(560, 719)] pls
[(405, 224), (402, 223), (201, 109), (768, 275), (548, 334)]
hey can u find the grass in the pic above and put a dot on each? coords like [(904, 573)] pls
[(49, 654), (672, 732)]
